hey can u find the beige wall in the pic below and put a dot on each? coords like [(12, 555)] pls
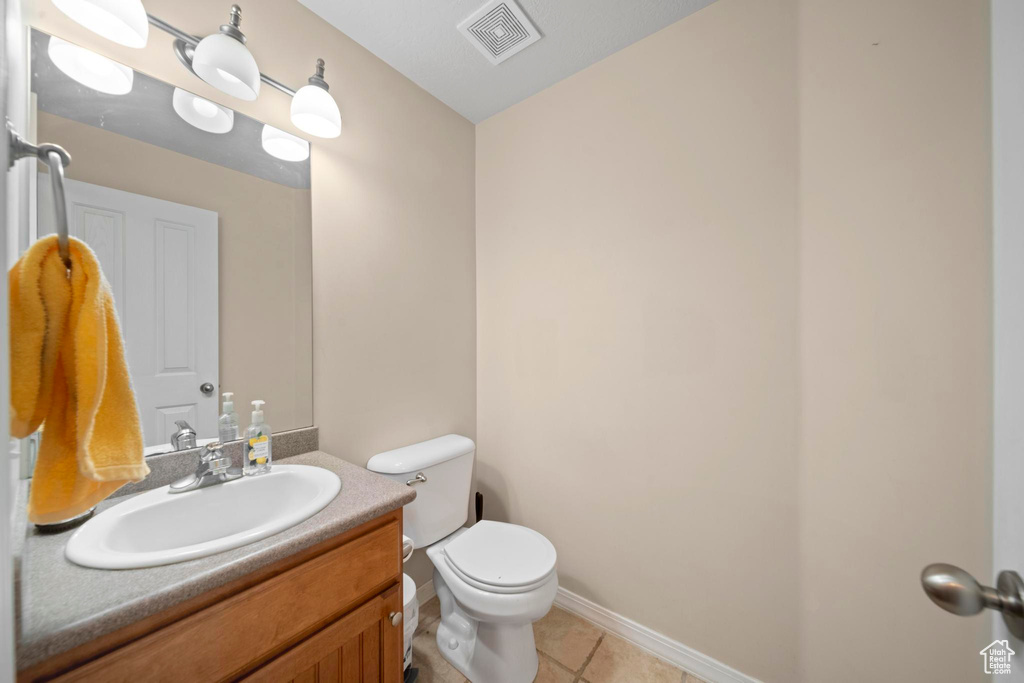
[(260, 222), (637, 282), (895, 333), (733, 312), (394, 335), (734, 316)]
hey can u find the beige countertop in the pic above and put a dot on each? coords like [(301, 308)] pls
[(62, 605)]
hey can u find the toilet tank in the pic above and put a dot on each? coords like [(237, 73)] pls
[(442, 501)]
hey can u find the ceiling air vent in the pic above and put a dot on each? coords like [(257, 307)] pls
[(499, 29)]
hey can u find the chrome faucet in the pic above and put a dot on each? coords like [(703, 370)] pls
[(184, 438), (214, 468)]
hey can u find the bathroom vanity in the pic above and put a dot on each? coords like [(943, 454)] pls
[(321, 601), (188, 204)]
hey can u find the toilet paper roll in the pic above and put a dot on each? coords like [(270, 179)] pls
[(407, 548)]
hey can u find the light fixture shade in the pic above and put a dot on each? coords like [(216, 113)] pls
[(315, 112), (226, 64), (90, 69), (284, 145), (122, 21), (202, 113)]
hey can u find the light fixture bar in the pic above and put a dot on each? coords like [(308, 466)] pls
[(277, 84), (173, 30), (192, 41)]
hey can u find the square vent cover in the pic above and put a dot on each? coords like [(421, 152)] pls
[(499, 29)]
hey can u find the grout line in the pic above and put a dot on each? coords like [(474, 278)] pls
[(586, 663), (557, 663)]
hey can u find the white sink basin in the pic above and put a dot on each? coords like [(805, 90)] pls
[(157, 527)]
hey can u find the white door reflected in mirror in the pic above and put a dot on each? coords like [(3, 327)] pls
[(161, 261)]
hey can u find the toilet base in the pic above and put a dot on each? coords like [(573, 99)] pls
[(484, 652)]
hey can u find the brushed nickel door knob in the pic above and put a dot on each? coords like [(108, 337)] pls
[(956, 591), (953, 589)]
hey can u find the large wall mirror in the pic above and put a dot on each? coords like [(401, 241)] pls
[(201, 220)]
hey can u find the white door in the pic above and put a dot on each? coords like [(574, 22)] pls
[(12, 62), (161, 261), (955, 589), (1007, 17)]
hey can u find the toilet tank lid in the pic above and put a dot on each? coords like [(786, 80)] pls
[(418, 456)]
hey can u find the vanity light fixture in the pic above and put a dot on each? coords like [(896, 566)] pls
[(90, 69), (202, 113), (284, 146), (122, 21), (220, 59), (223, 60), (314, 110)]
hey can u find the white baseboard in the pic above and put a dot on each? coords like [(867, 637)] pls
[(425, 592), (673, 652), (663, 647)]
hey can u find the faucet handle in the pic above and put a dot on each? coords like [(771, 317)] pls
[(220, 465), (212, 456)]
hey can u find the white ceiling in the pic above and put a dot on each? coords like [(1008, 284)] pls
[(419, 38)]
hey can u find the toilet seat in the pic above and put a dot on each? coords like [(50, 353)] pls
[(501, 558)]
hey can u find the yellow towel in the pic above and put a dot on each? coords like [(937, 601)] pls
[(68, 372)]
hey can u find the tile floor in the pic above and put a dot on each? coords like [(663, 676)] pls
[(571, 649)]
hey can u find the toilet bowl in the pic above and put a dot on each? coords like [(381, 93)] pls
[(493, 579)]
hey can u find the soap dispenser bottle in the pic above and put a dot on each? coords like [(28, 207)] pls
[(227, 424), (257, 446)]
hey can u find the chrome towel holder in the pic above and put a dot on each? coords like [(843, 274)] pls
[(57, 158)]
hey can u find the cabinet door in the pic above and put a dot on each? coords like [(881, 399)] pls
[(262, 619), (362, 646)]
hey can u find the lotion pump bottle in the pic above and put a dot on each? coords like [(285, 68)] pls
[(227, 424), (257, 446)]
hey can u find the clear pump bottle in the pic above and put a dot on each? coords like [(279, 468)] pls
[(227, 424), (257, 445)]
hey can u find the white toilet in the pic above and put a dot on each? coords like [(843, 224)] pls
[(493, 579)]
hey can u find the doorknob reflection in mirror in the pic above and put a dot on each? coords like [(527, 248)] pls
[(956, 591), (207, 388)]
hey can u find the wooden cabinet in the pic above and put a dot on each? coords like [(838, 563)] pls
[(361, 646), (322, 615)]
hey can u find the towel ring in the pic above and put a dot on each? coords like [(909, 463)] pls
[(57, 159)]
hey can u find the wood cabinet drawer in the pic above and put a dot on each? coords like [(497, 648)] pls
[(230, 637), (363, 646)]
